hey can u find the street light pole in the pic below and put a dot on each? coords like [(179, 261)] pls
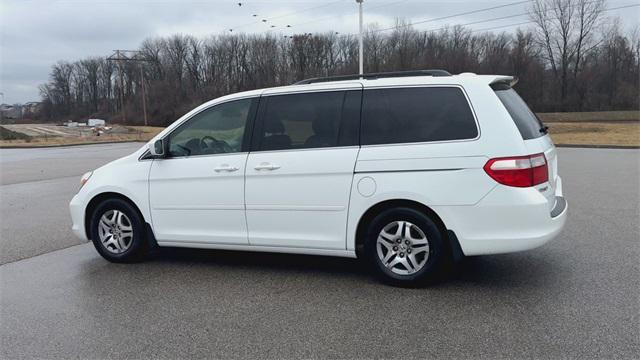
[(1, 102), (360, 47)]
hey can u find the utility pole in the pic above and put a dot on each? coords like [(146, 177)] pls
[(120, 56), (144, 96), (360, 47)]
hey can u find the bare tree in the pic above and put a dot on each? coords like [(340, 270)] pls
[(564, 30), (592, 70)]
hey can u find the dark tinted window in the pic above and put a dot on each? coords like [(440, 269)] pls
[(416, 115), (309, 120), (216, 130), (529, 125)]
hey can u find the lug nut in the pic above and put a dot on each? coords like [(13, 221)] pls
[(407, 242), (395, 248), (408, 251), (401, 254), (399, 241)]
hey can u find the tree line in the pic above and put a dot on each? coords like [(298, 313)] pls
[(571, 59)]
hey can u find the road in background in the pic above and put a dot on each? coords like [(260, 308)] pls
[(575, 297), (36, 186)]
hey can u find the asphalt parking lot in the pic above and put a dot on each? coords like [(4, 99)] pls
[(36, 186), (576, 297)]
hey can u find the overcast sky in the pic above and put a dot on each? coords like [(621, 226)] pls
[(37, 33)]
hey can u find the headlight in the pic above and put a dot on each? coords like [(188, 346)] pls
[(85, 178)]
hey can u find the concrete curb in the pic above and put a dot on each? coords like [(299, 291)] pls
[(598, 146)]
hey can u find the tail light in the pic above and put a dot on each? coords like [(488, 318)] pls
[(519, 171)]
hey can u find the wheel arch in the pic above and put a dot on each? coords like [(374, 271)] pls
[(99, 198), (376, 209)]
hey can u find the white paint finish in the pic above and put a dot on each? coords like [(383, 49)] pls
[(508, 219), (191, 201), (316, 181), (415, 163), (454, 189), (126, 176)]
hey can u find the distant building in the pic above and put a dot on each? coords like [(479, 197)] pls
[(96, 122), (11, 111), (18, 111)]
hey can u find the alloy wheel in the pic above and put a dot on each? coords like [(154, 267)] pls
[(402, 247), (115, 231)]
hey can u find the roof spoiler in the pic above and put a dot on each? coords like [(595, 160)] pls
[(509, 81)]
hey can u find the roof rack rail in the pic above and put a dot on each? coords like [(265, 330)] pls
[(373, 76)]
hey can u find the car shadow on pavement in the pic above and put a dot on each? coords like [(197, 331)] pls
[(529, 269), (260, 260)]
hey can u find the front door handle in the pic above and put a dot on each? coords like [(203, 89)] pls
[(267, 166), (226, 167)]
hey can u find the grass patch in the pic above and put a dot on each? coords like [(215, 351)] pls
[(136, 133), (593, 116), (616, 134), (6, 134)]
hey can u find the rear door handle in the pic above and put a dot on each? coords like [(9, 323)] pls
[(226, 167), (267, 166)]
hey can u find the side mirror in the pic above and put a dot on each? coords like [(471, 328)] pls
[(157, 149)]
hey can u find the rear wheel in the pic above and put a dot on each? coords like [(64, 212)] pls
[(117, 231), (405, 247)]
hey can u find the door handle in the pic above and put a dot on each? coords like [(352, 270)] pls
[(267, 166), (226, 167)]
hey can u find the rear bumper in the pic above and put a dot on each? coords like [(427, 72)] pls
[(507, 220), (76, 208)]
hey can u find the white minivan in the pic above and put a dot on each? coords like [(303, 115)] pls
[(408, 170)]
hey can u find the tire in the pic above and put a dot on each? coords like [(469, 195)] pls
[(118, 232), (417, 260)]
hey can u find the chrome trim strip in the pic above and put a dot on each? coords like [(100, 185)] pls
[(201, 207), (296, 207), (404, 171)]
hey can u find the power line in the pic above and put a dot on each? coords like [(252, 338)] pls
[(454, 15), (513, 16), (502, 26), (529, 22)]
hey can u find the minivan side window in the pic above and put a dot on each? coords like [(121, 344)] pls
[(217, 130), (308, 120), (416, 114)]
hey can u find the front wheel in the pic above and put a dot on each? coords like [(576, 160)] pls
[(117, 231), (405, 247)]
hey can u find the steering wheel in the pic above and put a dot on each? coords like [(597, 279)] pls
[(219, 146)]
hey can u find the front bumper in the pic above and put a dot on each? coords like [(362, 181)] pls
[(77, 209)]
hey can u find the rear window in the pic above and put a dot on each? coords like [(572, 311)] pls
[(528, 124), (407, 115)]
